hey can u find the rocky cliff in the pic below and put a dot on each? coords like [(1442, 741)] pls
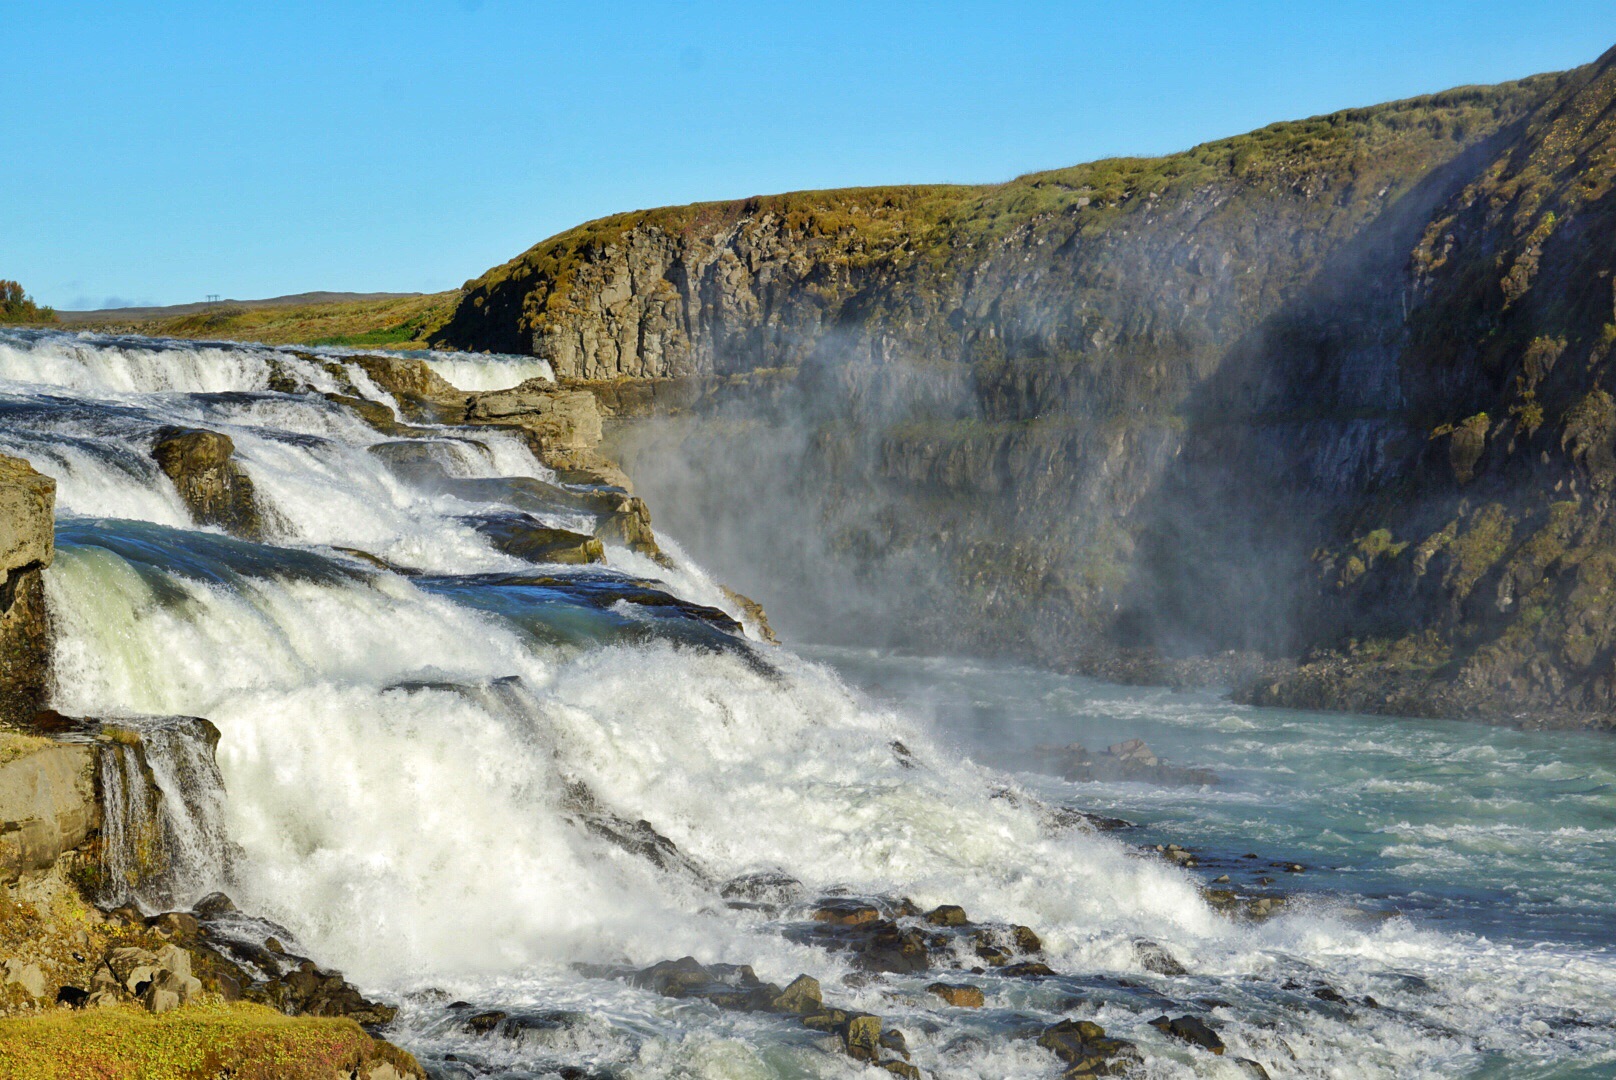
[(1335, 391)]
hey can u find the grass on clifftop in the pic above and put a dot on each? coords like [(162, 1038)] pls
[(398, 322), (198, 1042), (932, 221)]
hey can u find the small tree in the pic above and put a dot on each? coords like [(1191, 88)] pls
[(16, 306)]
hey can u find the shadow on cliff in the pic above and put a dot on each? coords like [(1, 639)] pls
[(1311, 415)]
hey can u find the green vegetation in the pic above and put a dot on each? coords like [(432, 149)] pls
[(14, 745), (1359, 155), (16, 306), (198, 1042), (396, 322)]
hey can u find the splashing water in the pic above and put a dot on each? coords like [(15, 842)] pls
[(397, 753)]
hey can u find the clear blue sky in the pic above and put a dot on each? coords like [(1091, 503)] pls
[(160, 152)]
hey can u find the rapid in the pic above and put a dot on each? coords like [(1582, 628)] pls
[(402, 740)]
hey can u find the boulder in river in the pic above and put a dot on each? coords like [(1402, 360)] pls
[(525, 537), (1086, 1049), (215, 489), (1192, 1030)]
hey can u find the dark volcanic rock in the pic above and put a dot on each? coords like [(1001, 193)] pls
[(1190, 1030)]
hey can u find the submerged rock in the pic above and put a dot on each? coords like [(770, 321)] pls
[(766, 887), (635, 837), (1130, 761), (1152, 957)]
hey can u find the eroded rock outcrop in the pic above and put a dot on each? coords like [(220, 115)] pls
[(215, 489), (48, 803), (27, 546)]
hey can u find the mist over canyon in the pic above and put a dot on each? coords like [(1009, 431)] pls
[(1336, 392)]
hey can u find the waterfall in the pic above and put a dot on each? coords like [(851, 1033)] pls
[(163, 836), (452, 771)]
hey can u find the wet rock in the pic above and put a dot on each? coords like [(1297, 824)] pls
[(892, 1039), (879, 945), (1252, 1069), (861, 1037), (801, 996), (484, 1023), (763, 888), (1175, 854), (523, 536), (1026, 941), (751, 610), (630, 525), (213, 906), (959, 995), (947, 915), (1086, 1049), (314, 991), (1191, 1030), (378, 562), (901, 1068), (1152, 957), (846, 912), (638, 838), (1027, 970), (674, 978), (373, 413), (215, 489), (1255, 908)]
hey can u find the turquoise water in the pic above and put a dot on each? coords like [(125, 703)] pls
[(1505, 834)]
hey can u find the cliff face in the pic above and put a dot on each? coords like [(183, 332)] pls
[(1334, 390)]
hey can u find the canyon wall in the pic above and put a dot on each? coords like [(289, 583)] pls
[(1333, 395)]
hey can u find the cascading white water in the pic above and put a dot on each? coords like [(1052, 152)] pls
[(164, 839), (397, 753)]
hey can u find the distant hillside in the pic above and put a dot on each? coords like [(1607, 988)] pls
[(314, 318), (1339, 390)]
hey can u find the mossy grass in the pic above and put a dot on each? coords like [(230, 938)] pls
[(395, 322), (197, 1042)]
